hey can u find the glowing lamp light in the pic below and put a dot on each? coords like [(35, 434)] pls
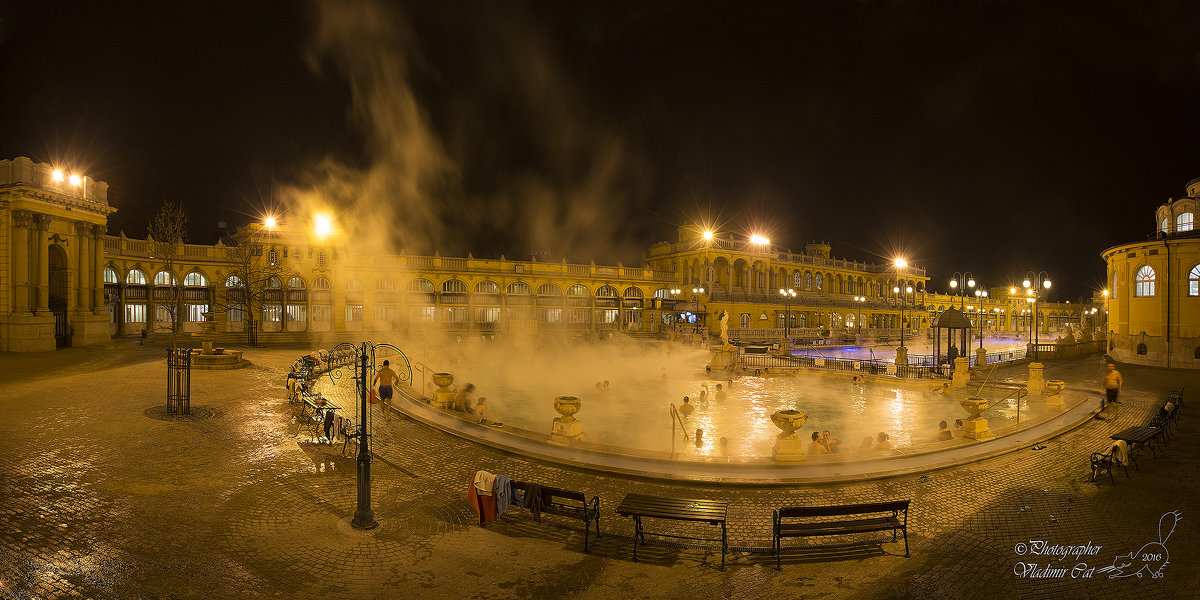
[(1012, 290), (75, 180), (759, 240), (1025, 283), (708, 236), (270, 222), (57, 175), (1105, 292), (971, 282), (1046, 284), (324, 225), (900, 262)]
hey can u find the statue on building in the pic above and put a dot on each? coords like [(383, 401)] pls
[(725, 327)]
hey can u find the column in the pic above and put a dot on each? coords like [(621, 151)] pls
[(22, 219), (41, 226), (98, 265), (83, 239)]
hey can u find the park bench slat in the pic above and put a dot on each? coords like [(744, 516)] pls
[(678, 509), (863, 524)]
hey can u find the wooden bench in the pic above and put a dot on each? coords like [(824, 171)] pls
[(870, 518), (639, 506), (566, 503)]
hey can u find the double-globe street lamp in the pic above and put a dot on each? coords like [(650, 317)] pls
[(787, 294), (1033, 284), (955, 285), (903, 301), (981, 294)]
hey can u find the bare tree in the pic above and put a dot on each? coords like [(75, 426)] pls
[(167, 235), (248, 255)]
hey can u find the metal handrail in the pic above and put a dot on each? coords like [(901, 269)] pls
[(675, 418)]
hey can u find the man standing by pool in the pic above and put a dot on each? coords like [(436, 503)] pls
[(1113, 382), (386, 377)]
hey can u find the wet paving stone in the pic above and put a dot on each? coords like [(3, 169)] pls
[(98, 501)]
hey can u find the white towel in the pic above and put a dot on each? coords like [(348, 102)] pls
[(484, 482), (1121, 453)]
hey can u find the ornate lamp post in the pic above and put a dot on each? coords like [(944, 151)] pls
[(981, 294), (903, 301), (1033, 284), (787, 294), (969, 281)]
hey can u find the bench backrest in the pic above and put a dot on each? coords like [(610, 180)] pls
[(549, 493), (847, 509)]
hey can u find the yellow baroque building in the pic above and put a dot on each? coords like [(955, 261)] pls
[(64, 282), (1154, 290)]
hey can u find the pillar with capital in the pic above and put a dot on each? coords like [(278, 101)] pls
[(97, 238), (22, 220), (83, 289), (41, 225)]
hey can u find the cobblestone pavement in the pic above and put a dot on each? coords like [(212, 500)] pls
[(100, 501)]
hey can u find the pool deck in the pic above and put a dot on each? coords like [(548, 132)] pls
[(102, 501)]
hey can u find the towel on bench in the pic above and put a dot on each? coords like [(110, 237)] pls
[(1120, 453)]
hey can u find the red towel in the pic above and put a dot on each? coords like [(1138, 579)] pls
[(484, 506)]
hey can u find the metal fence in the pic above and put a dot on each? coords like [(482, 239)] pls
[(873, 366)]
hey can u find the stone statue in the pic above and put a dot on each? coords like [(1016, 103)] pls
[(725, 327)]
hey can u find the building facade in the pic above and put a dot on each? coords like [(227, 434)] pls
[(1154, 290), (64, 282)]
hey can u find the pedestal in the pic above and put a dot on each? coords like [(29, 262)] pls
[(1036, 384), (1054, 398), (565, 431), (724, 358), (442, 397), (976, 428), (789, 450), (980, 356), (962, 372), (902, 356)]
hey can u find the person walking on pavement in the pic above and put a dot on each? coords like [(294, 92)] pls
[(1113, 382), (386, 378)]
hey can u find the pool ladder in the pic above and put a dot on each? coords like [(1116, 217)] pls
[(675, 418)]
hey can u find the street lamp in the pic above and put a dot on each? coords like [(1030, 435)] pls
[(903, 301), (787, 294), (1032, 282), (981, 294), (970, 282), (900, 264)]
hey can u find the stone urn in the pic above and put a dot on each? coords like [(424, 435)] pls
[(976, 427), (443, 396), (207, 333), (789, 421), (1054, 388), (789, 447), (566, 430)]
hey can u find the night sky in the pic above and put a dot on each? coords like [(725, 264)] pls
[(994, 137)]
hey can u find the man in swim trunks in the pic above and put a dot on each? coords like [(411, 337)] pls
[(386, 377)]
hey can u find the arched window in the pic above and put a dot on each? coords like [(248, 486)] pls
[(353, 285), (164, 278), (820, 282), (808, 281), (420, 285), (454, 286), (110, 275), (487, 287), (320, 283), (549, 289), (1144, 282), (1183, 222), (387, 284), (518, 287), (195, 278), (1164, 224), (273, 283), (233, 281), (663, 293), (295, 283), (606, 291), (135, 277), (633, 292), (1194, 281), (577, 290)]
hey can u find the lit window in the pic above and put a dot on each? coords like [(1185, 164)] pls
[(272, 313), (320, 312), (487, 315), (272, 257), (1183, 222), (454, 286), (297, 313), (607, 291), (295, 283), (578, 290), (135, 313), (1194, 281), (236, 314), (1164, 224), (353, 312), (420, 285), (487, 287), (164, 278), (195, 313), (110, 275), (1144, 282), (518, 287), (820, 282), (550, 289), (321, 283), (195, 278), (233, 281)]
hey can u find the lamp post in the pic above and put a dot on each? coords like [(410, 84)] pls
[(1034, 281), (696, 292), (954, 284), (787, 294), (981, 294), (903, 301)]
